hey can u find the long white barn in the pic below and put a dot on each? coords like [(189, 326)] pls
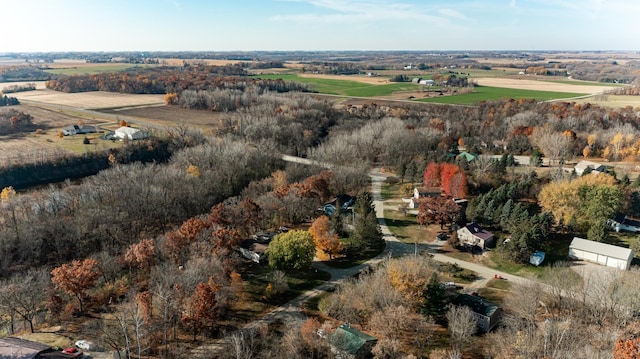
[(600, 253)]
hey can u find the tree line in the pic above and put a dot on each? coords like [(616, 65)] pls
[(166, 79)]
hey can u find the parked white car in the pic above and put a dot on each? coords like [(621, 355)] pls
[(85, 345)]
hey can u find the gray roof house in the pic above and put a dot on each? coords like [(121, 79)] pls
[(600, 253), (16, 348), (581, 166), (488, 314)]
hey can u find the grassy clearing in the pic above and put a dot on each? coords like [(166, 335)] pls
[(495, 291), (256, 280), (485, 93), (345, 87)]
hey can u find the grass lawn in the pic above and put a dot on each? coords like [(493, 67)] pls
[(495, 291), (257, 278), (485, 93)]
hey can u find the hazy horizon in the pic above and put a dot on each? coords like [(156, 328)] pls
[(320, 25)]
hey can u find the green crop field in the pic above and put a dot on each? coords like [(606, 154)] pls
[(484, 93), (91, 70), (345, 87)]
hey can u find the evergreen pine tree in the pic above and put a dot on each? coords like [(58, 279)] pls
[(434, 295)]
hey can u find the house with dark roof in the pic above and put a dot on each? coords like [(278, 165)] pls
[(623, 223), (351, 343), (16, 348), (474, 235), (487, 314)]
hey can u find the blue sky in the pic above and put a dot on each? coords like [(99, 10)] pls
[(222, 25)]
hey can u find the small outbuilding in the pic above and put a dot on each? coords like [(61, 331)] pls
[(600, 253), (130, 133)]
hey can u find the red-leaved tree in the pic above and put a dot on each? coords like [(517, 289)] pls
[(431, 177), (76, 278), (440, 210)]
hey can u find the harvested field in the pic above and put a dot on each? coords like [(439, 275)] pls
[(17, 150), (613, 100), (356, 78), (39, 85), (538, 85), (173, 116), (89, 100)]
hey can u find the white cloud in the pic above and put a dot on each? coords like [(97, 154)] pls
[(331, 11)]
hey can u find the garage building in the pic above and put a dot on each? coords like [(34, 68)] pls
[(600, 253)]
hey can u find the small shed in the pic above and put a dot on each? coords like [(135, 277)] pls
[(600, 253), (130, 133), (352, 343)]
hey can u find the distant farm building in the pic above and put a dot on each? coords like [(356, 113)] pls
[(582, 166), (130, 133), (600, 253), (78, 130)]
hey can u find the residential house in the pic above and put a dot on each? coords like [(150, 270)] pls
[(582, 166), (600, 253), (487, 314), (77, 130), (16, 348), (351, 343), (474, 235), (421, 192), (622, 223), (415, 203)]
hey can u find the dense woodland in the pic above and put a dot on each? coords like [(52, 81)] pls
[(153, 243)]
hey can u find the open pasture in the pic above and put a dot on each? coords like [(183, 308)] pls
[(484, 93), (89, 100), (172, 116)]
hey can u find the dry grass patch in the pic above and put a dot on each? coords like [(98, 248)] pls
[(89, 100), (356, 78), (540, 85)]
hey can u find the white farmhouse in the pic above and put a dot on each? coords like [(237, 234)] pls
[(600, 253)]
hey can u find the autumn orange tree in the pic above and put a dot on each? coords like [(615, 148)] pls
[(627, 349), (141, 254), (76, 278), (202, 311), (325, 239)]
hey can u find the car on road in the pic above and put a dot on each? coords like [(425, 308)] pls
[(72, 352), (85, 345)]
